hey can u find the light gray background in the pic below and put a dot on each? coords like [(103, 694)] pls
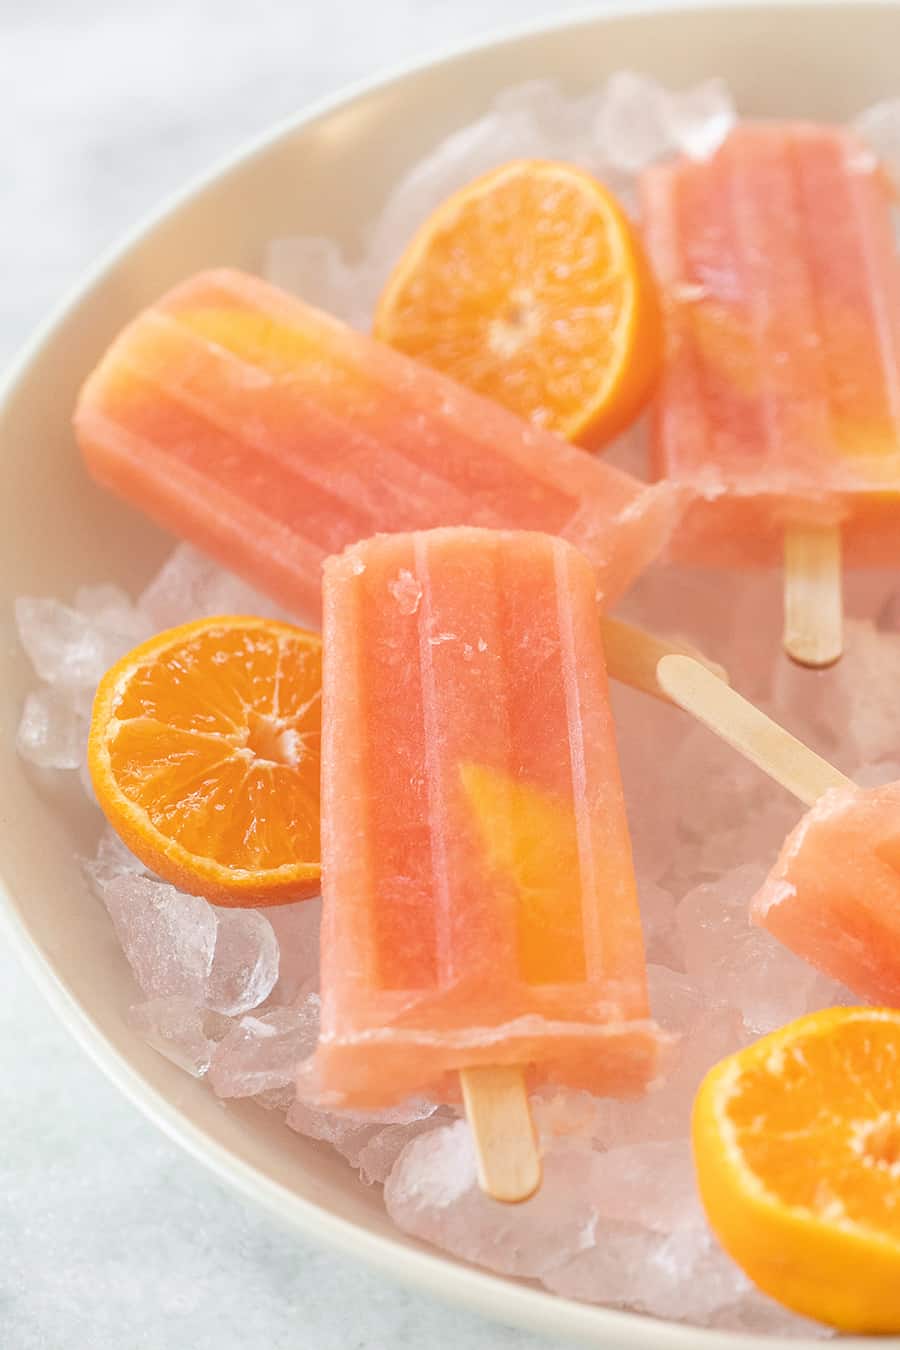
[(109, 1236)]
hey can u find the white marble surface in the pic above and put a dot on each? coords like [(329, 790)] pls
[(109, 1236)]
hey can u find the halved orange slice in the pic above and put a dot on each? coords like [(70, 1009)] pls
[(204, 754), (531, 286), (797, 1149)]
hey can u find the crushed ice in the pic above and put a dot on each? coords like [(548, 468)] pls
[(613, 132), (233, 994)]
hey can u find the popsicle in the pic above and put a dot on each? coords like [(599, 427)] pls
[(834, 893), (780, 401), (479, 896), (271, 435), (833, 896)]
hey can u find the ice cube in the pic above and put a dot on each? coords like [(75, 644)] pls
[(111, 608), (862, 689), (713, 919), (554, 125), (343, 1131), (262, 1051), (70, 648), (847, 713), (681, 1275), (191, 586), (675, 1000), (52, 733), (103, 600), (647, 736), (178, 1029), (664, 1112), (738, 965), (758, 836), (178, 944), (377, 1157), (567, 1114), (245, 962), (726, 793), (433, 1193), (112, 859), (168, 937), (350, 1132), (699, 119), (807, 706), (456, 161), (276, 1099), (315, 269), (662, 940), (533, 120), (650, 1184), (296, 929), (880, 127), (632, 126)]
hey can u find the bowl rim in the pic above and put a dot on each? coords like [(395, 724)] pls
[(439, 1275)]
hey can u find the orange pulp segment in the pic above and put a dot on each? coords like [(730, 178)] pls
[(797, 1150), (531, 287), (204, 755), (531, 838)]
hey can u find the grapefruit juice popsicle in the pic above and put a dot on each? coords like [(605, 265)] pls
[(480, 904), (780, 401), (270, 435)]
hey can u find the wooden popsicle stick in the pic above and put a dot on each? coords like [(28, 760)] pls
[(496, 1100), (743, 726), (813, 595), (633, 655)]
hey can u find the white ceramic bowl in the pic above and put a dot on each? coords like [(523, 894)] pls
[(325, 172)]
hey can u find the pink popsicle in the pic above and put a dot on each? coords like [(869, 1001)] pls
[(780, 401), (834, 894), (480, 902), (271, 435)]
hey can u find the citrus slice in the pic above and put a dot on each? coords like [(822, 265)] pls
[(530, 286), (204, 755), (797, 1149), (530, 837)]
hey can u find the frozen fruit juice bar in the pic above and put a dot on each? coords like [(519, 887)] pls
[(780, 402), (271, 435), (834, 895), (479, 895)]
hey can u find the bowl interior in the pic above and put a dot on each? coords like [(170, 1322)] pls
[(325, 173)]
